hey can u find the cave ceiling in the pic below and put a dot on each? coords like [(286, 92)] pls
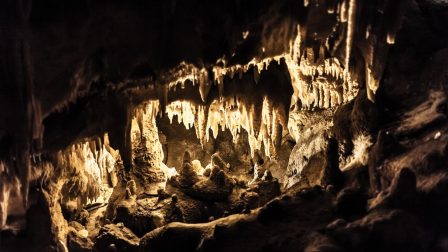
[(93, 57)]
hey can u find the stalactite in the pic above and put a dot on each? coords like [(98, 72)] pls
[(322, 83), (344, 11), (391, 38), (86, 164), (315, 91), (144, 115), (351, 26), (235, 114), (306, 2), (204, 85), (372, 83)]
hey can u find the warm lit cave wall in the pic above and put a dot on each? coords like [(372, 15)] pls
[(355, 91), (177, 140)]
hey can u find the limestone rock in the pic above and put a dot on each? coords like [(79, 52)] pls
[(217, 188), (207, 172), (251, 199), (401, 194), (266, 190), (218, 161), (187, 176), (322, 243), (314, 161), (350, 202), (116, 236), (78, 241), (384, 230)]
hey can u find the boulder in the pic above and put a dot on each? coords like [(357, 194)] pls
[(383, 230), (351, 202), (266, 190), (138, 221), (116, 237), (321, 243), (401, 194), (78, 240), (174, 237)]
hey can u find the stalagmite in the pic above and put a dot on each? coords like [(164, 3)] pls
[(7, 187), (4, 200)]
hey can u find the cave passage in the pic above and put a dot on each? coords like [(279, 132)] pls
[(235, 125)]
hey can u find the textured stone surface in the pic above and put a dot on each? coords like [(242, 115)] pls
[(314, 161), (363, 79), (116, 236)]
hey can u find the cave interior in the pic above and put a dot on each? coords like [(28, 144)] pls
[(236, 125)]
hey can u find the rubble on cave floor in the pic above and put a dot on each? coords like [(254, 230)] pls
[(190, 197), (143, 202), (317, 220)]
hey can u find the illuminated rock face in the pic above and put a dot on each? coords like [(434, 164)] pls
[(357, 86), (317, 63), (311, 159), (233, 114)]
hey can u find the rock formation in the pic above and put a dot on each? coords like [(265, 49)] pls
[(253, 125)]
